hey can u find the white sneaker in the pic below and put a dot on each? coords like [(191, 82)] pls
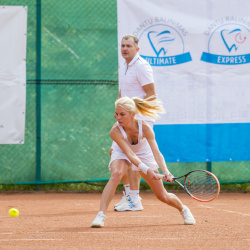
[(187, 216), (99, 220), (130, 206), (124, 199)]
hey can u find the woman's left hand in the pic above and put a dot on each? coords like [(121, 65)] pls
[(168, 177)]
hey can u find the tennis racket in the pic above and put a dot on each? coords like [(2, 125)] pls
[(201, 185)]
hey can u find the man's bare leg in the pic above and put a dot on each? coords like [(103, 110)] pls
[(134, 203), (126, 184), (134, 181)]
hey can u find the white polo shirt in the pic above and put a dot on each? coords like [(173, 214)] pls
[(132, 77)]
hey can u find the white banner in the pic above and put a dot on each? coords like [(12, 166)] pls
[(200, 54), (13, 36)]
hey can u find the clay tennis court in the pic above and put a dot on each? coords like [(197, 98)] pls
[(62, 221)]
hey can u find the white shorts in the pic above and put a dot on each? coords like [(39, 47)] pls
[(149, 160)]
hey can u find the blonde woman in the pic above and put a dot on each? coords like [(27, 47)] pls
[(137, 145)]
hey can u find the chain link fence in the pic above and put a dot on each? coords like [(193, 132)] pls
[(71, 91)]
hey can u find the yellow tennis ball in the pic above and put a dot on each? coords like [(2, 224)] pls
[(13, 212)]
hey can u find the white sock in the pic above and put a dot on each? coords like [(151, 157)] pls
[(127, 189), (134, 195), (101, 213)]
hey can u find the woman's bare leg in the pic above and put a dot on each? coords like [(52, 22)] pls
[(118, 169), (160, 192)]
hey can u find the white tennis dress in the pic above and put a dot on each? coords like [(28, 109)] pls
[(141, 149)]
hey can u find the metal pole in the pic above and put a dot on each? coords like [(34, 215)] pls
[(209, 166), (38, 91)]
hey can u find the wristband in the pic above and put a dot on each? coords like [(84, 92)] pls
[(143, 167)]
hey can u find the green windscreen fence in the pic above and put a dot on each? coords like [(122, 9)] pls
[(72, 83)]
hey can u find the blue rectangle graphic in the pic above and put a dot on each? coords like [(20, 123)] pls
[(204, 142)]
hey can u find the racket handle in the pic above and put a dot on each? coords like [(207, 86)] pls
[(161, 176)]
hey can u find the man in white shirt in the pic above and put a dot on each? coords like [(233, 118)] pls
[(135, 80)]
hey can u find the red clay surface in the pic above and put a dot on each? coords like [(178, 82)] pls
[(62, 221)]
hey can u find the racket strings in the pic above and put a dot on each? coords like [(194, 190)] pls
[(202, 185)]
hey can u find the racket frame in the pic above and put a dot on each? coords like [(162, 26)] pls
[(185, 187)]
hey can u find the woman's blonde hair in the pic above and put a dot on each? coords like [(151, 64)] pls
[(146, 107)]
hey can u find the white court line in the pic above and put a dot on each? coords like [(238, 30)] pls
[(64, 45), (6, 233), (160, 238), (136, 216), (92, 232), (228, 211), (204, 206), (87, 204), (234, 212), (221, 204), (112, 232), (27, 239)]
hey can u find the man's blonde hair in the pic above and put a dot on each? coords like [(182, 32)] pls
[(146, 107)]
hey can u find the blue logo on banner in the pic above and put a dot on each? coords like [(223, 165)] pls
[(229, 44), (162, 45)]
